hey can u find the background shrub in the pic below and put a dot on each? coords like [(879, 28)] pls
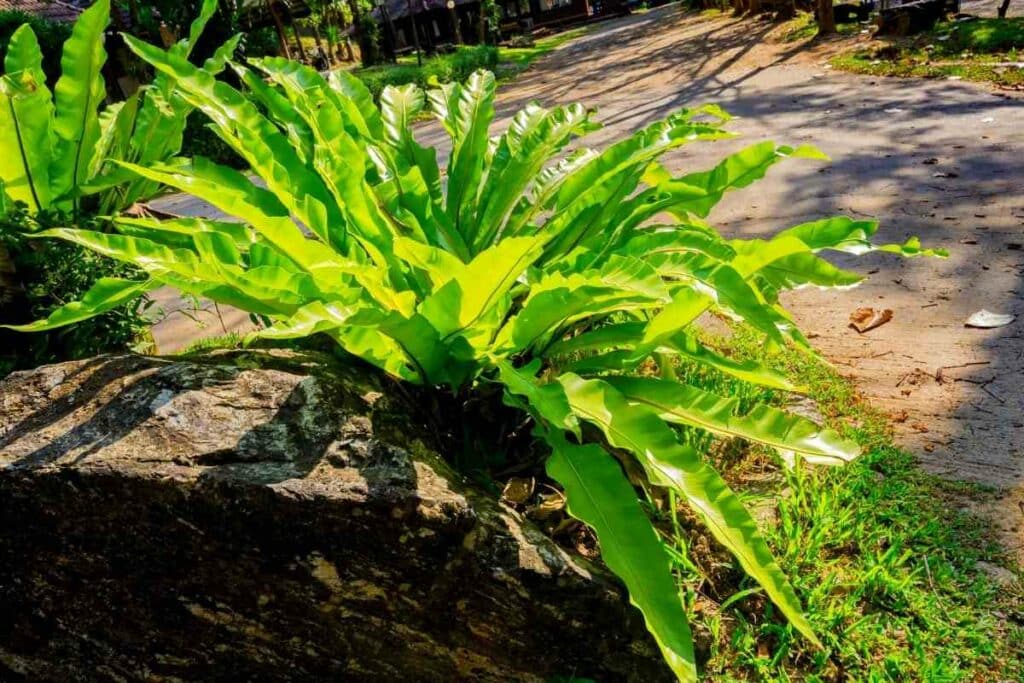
[(200, 141), (259, 42), (455, 66), (38, 276)]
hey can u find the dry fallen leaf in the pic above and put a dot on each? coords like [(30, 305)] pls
[(900, 416), (550, 504), (518, 490), (867, 318)]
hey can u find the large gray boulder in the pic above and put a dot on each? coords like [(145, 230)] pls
[(249, 517)]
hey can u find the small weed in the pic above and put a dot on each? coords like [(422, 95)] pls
[(800, 28), (231, 340)]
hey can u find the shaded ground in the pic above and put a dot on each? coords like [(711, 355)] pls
[(965, 421)]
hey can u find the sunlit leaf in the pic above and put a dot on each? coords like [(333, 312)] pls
[(675, 465), (598, 493)]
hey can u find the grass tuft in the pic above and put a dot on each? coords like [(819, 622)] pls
[(883, 554), (231, 340), (803, 27), (986, 50)]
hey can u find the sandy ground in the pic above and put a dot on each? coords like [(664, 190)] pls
[(955, 393)]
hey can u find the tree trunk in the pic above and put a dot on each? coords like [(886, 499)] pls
[(282, 40), (316, 36), (357, 29), (298, 41), (295, 32), (337, 23), (392, 37), (1003, 8), (826, 18), (787, 9), (754, 6), (133, 13), (366, 51), (456, 29)]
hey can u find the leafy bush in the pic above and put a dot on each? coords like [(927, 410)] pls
[(227, 19), (57, 146), (526, 271), (455, 66), (259, 42), (51, 35), (50, 274), (55, 151)]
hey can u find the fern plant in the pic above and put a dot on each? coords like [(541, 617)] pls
[(56, 147), (55, 169), (523, 265)]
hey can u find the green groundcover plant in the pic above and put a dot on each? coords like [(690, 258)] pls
[(525, 265)]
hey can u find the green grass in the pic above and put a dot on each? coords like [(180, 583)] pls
[(455, 66), (882, 554), (972, 50), (506, 62), (803, 27), (799, 28), (515, 60), (988, 36), (973, 70), (231, 340)]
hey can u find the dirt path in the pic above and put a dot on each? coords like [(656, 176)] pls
[(965, 422)]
